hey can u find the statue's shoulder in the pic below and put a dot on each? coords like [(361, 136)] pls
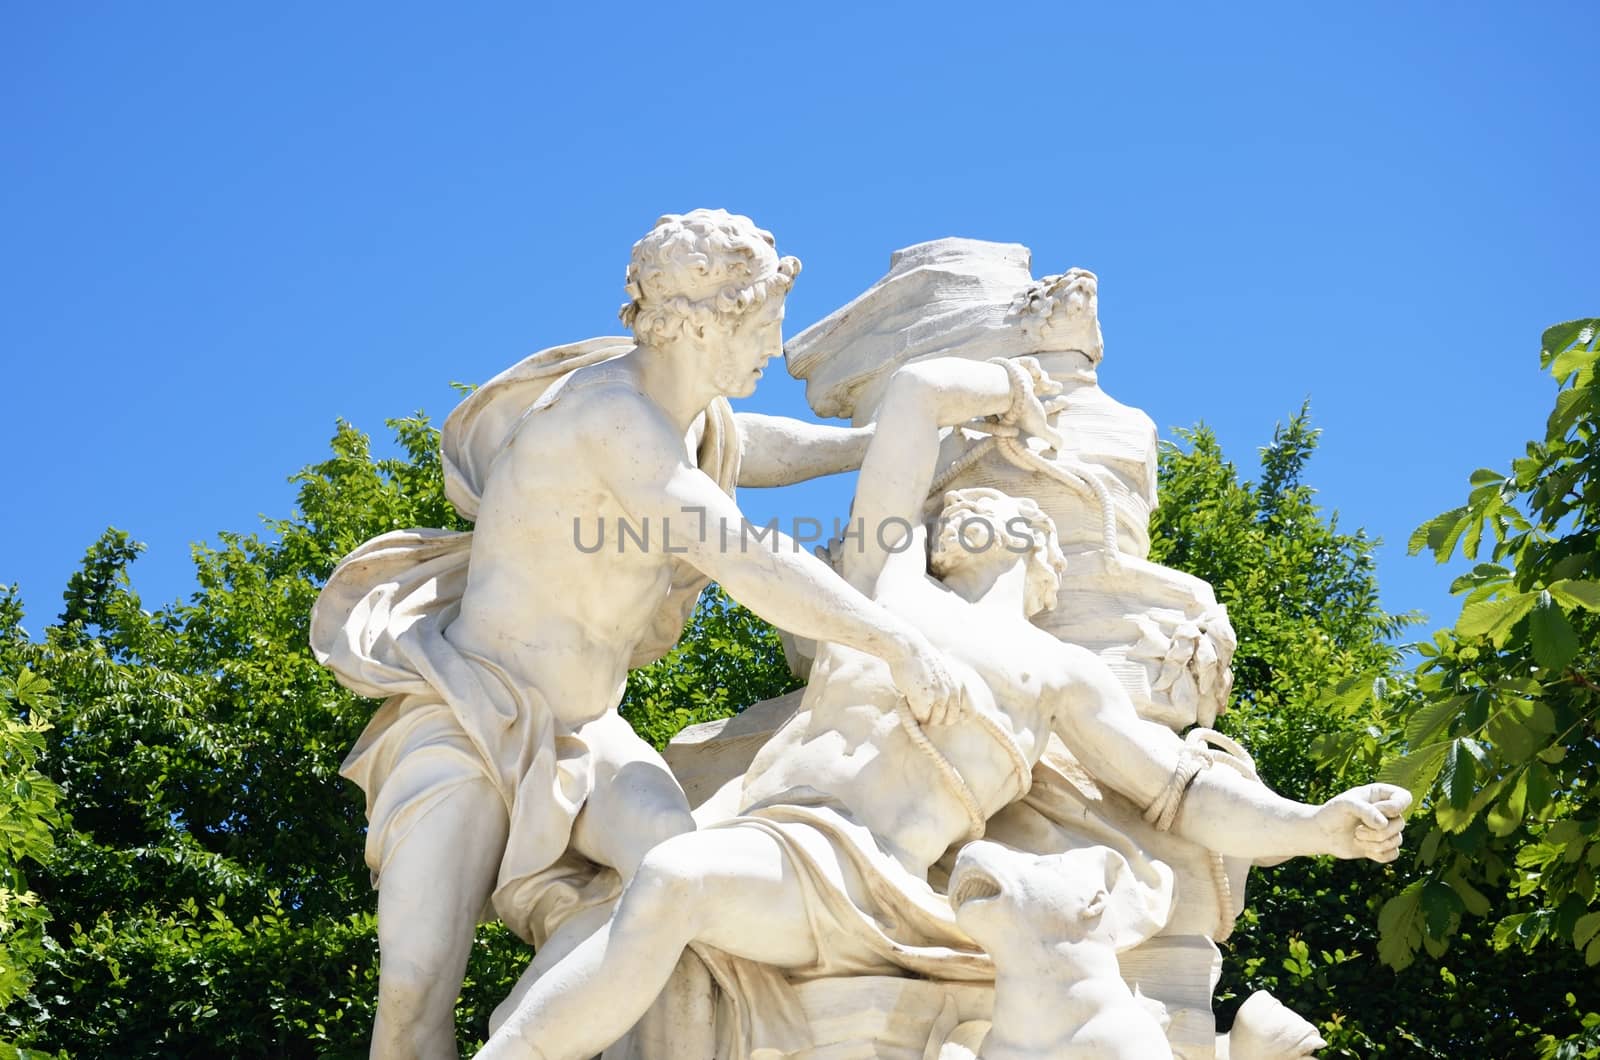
[(486, 423), (609, 383)]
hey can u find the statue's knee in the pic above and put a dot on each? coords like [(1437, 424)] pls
[(662, 890), (648, 831), (410, 995), (668, 822), (420, 964)]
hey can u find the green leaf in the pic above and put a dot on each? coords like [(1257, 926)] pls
[(1575, 593), (1471, 898), (1563, 832), (1557, 338), (1487, 476), (1434, 534), (1415, 771), (1508, 930), (1484, 576), (1571, 361), (1505, 816), (1570, 404), (1539, 718), (1442, 538), (1585, 929), (1441, 909), (1494, 618), (1509, 732), (1473, 537), (1459, 775), (1400, 928), (1554, 642), (1539, 787)]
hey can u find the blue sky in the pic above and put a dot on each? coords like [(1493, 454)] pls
[(228, 225)]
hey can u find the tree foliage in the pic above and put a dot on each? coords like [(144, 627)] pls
[(205, 889), (727, 660), (28, 816), (1301, 594), (1317, 674), (207, 895), (1303, 598), (1496, 731)]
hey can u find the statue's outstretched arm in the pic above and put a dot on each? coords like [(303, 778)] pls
[(778, 451), (639, 456)]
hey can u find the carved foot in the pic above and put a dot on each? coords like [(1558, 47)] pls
[(1267, 1029)]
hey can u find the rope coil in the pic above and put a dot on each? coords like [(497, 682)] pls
[(1074, 474)]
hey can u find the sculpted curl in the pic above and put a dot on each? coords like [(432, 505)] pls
[(706, 267), (980, 519)]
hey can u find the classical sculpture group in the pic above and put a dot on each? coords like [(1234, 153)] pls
[(978, 832)]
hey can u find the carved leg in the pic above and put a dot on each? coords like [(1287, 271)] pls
[(730, 888), (430, 894), (562, 942), (681, 1024), (636, 802), (1266, 1029)]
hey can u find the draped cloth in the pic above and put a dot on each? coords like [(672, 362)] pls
[(867, 913), (449, 716), (870, 915)]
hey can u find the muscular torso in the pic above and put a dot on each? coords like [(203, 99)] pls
[(848, 745), (559, 618)]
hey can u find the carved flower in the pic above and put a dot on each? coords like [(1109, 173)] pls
[(1191, 658), (1061, 313)]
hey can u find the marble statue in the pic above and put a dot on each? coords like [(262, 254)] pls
[(825, 869), (497, 772), (995, 824)]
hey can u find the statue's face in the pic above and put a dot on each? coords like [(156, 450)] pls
[(741, 355), (1010, 902), (992, 540)]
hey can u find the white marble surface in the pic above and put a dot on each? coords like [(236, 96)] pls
[(990, 655), (828, 868), (497, 771)]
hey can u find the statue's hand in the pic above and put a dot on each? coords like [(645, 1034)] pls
[(931, 690), (1364, 822), (1034, 411)]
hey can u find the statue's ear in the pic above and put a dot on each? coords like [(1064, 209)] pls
[(1094, 909)]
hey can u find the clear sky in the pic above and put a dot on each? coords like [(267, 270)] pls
[(226, 225)]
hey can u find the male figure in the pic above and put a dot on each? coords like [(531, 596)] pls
[(851, 802), (499, 768)]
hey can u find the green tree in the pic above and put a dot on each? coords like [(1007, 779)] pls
[(208, 896), (1320, 699), (1496, 732), (1303, 597), (1301, 594), (28, 818)]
